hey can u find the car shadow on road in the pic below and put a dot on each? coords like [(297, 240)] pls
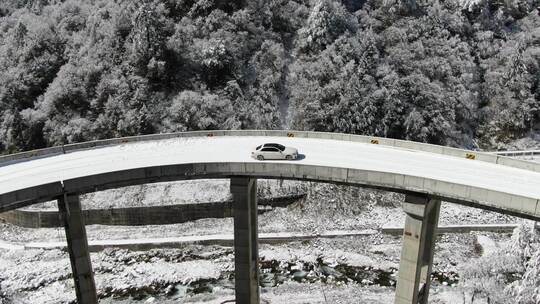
[(300, 157)]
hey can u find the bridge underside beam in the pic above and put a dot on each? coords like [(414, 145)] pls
[(414, 276), (246, 250), (79, 256)]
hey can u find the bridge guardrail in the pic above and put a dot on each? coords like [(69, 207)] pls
[(517, 153)]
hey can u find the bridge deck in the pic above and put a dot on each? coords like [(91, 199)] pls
[(237, 149)]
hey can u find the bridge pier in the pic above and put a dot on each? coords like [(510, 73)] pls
[(69, 207), (246, 250), (414, 276)]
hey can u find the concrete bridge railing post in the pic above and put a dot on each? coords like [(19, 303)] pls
[(69, 207), (246, 250), (414, 276)]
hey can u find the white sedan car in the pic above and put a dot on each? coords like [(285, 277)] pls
[(274, 151)]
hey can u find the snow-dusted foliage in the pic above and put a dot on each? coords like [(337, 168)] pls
[(456, 72), (194, 111), (327, 21), (506, 274), (470, 5), (418, 78), (528, 291), (526, 246), (524, 242)]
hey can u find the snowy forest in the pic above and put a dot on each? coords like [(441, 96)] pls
[(462, 73)]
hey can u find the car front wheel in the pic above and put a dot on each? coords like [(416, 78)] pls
[(260, 157), (288, 157)]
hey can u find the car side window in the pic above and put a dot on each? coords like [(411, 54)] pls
[(267, 149), (277, 146)]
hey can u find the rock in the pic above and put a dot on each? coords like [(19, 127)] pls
[(296, 267), (329, 271), (170, 290), (299, 275), (268, 280), (280, 278), (180, 290), (330, 261)]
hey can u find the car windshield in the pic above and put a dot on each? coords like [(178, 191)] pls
[(258, 147)]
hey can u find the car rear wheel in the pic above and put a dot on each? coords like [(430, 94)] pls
[(260, 157), (288, 157)]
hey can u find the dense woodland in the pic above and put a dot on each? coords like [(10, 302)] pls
[(453, 72)]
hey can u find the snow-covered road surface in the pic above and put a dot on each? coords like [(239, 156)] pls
[(231, 149)]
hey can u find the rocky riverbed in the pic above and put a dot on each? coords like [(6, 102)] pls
[(364, 266)]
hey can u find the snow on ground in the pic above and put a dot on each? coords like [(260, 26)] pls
[(175, 193), (124, 276), (326, 207), (489, 246), (316, 293), (452, 214), (37, 276), (173, 275), (155, 272), (530, 142), (353, 251), (55, 293), (290, 293), (320, 293)]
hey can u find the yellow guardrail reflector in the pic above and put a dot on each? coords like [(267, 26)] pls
[(375, 141), (290, 134), (210, 134), (470, 156)]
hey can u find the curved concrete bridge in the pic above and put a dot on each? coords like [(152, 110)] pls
[(425, 173)]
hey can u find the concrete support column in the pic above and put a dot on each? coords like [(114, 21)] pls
[(414, 276), (246, 250), (70, 212)]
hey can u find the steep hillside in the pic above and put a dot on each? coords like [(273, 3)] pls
[(460, 73)]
